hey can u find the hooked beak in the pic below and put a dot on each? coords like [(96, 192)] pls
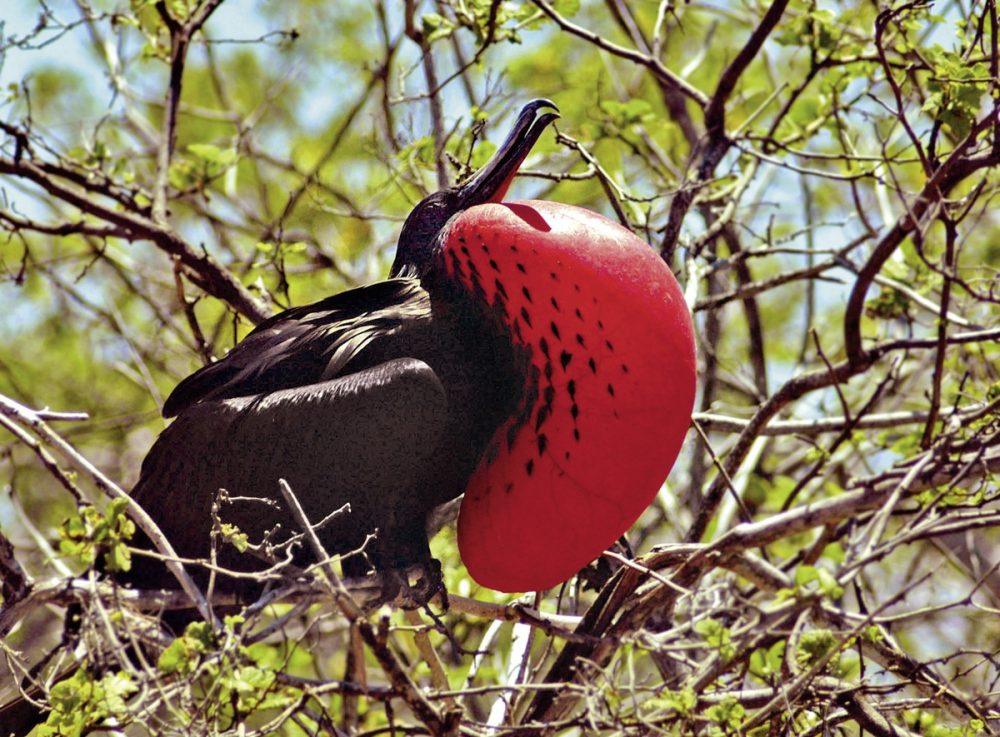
[(419, 235), (491, 182)]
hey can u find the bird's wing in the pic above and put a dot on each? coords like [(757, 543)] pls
[(305, 345), (367, 439)]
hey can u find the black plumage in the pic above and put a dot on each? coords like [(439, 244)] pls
[(382, 398), (372, 398)]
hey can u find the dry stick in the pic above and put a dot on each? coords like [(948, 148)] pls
[(638, 566), (201, 268), (338, 138), (868, 494), (133, 281), (50, 463), (708, 348), (850, 422), (951, 234), (793, 390), (888, 655), (60, 592), (733, 491), (401, 681), (67, 590), (202, 346), (14, 582), (954, 170), (869, 718), (76, 228), (881, 23), (714, 117), (28, 419), (753, 632), (463, 64), (750, 309), (434, 101), (654, 65), (439, 679), (180, 40), (789, 691), (673, 98), (49, 555), (611, 189), (552, 624), (53, 416), (89, 180), (820, 425), (923, 302), (715, 112), (355, 671), (789, 392), (751, 289), (718, 142), (801, 682), (437, 115), (995, 68), (596, 621), (880, 521)]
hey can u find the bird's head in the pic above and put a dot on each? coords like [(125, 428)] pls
[(419, 234)]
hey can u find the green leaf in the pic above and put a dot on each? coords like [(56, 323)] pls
[(175, 658), (874, 633), (183, 654), (90, 533), (813, 646), (224, 157), (421, 150), (81, 703), (567, 8), (717, 636), (231, 534), (683, 702), (250, 683), (435, 26), (765, 663), (118, 558), (482, 153), (806, 576), (625, 114), (834, 552), (728, 714), (778, 491)]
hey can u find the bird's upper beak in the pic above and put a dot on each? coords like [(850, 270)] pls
[(424, 223), (491, 182)]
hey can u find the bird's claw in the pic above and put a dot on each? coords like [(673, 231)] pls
[(398, 590)]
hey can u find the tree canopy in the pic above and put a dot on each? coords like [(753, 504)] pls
[(821, 176)]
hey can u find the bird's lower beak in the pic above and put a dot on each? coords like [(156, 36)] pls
[(490, 183)]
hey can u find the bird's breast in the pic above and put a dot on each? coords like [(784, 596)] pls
[(608, 393)]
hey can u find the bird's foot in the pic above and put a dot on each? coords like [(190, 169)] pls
[(431, 584), (400, 588)]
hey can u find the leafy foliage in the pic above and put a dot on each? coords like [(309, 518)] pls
[(83, 701), (90, 534)]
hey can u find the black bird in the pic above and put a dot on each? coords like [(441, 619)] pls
[(537, 357), (382, 397)]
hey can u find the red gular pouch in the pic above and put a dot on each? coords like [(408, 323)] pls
[(608, 396)]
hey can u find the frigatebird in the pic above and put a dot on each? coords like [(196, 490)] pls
[(536, 357)]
